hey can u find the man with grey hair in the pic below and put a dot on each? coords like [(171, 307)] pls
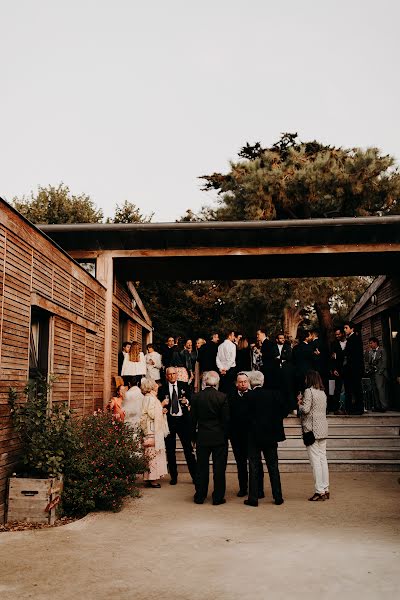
[(210, 417), (266, 413)]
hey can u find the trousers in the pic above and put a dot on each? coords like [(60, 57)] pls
[(270, 452), (178, 426), (319, 464), (239, 443), (219, 459)]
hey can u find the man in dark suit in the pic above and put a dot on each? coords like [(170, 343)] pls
[(238, 432), (302, 360), (178, 394), (208, 355), (210, 421), (376, 368), (320, 356), (281, 371), (353, 370), (266, 353), (337, 358), (266, 413)]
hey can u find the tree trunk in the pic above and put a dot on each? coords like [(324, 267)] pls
[(291, 320), (325, 319)]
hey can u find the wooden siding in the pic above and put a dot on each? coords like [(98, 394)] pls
[(35, 270)]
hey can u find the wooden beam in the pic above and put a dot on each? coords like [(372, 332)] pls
[(130, 313), (65, 313), (139, 302), (105, 274), (238, 251)]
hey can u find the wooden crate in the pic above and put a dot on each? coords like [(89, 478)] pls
[(33, 500)]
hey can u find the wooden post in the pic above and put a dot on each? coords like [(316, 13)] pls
[(105, 275)]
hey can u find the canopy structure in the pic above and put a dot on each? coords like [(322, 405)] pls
[(238, 250)]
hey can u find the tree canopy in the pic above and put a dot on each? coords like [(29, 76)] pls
[(300, 180), (57, 205)]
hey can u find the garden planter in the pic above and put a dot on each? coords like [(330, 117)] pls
[(33, 500)]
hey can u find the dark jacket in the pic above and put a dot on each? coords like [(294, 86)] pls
[(163, 392), (208, 357), (338, 358), (120, 361), (238, 413), (167, 354), (243, 359), (353, 364), (266, 414), (321, 360), (302, 358), (210, 417)]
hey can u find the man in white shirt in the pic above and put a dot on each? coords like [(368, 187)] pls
[(226, 362), (153, 363)]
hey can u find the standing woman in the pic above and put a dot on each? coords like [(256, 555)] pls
[(134, 365), (197, 383), (243, 355), (155, 429), (312, 408)]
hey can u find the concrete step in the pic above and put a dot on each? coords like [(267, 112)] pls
[(351, 430), (348, 442), (303, 466)]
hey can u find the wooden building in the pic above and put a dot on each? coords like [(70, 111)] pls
[(53, 319), (377, 313)]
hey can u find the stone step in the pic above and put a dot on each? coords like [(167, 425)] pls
[(344, 453), (389, 418), (353, 430), (303, 466), (348, 442)]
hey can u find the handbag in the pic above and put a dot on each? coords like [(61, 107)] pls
[(308, 436)]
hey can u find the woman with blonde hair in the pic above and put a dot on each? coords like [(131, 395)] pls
[(134, 365), (155, 428), (312, 409)]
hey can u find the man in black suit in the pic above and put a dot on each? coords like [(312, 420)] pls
[(208, 355), (266, 353), (238, 432), (266, 413), (178, 394), (353, 370), (281, 371), (210, 421), (337, 358), (320, 356), (303, 360)]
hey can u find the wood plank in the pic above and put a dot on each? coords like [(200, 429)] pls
[(61, 311)]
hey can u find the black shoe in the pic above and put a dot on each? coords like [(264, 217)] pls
[(198, 500), (174, 481), (217, 503), (241, 493), (148, 484), (250, 502), (261, 495), (279, 502)]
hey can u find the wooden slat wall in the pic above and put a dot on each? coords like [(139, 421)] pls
[(40, 267)]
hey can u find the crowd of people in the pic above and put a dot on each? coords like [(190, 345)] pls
[(212, 392)]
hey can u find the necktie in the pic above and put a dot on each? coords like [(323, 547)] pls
[(175, 405)]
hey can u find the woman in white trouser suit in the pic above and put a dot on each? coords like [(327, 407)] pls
[(312, 407)]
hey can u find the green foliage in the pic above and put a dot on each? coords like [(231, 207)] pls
[(45, 433), (103, 467), (129, 213), (57, 205), (295, 179)]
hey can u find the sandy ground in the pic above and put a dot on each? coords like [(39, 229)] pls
[(163, 546)]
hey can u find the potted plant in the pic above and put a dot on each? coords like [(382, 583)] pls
[(45, 434)]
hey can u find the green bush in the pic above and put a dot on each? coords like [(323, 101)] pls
[(102, 468), (46, 434)]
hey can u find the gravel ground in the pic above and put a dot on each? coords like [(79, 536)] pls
[(163, 546)]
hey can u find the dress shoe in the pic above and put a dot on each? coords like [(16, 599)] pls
[(279, 501), (173, 481), (250, 502), (241, 493), (198, 500), (218, 502), (149, 484)]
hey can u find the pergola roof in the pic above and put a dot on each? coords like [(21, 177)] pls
[(236, 250)]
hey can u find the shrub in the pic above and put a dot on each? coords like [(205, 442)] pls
[(104, 465), (46, 433)]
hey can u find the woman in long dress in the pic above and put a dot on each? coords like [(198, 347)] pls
[(134, 365), (155, 429)]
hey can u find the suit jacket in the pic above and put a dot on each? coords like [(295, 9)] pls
[(238, 413), (266, 413), (321, 360), (303, 358), (353, 364), (210, 417), (163, 392), (120, 361), (208, 356), (337, 360), (376, 363)]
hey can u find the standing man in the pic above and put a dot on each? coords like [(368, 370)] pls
[(266, 354), (353, 369), (168, 352), (376, 367), (303, 360), (210, 420), (238, 433), (178, 394), (320, 356), (208, 355), (282, 371), (337, 358), (226, 362), (266, 413)]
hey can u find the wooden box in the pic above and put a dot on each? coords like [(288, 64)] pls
[(33, 500)]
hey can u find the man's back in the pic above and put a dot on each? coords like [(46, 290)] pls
[(210, 416), (266, 413)]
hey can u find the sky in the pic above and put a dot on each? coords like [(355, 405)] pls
[(133, 100)]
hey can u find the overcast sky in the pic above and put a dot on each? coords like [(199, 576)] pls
[(133, 100)]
